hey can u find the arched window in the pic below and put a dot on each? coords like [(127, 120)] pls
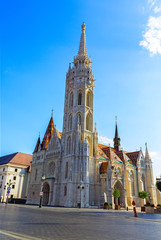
[(132, 183), (143, 180), (88, 99), (66, 170), (65, 190), (88, 122), (71, 100), (79, 98), (69, 145), (36, 174), (79, 118), (70, 122)]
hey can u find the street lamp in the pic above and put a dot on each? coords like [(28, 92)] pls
[(9, 184), (41, 191), (4, 192), (80, 187)]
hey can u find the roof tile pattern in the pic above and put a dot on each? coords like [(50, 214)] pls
[(17, 159), (48, 134)]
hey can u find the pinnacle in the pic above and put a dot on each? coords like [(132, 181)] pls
[(82, 47)]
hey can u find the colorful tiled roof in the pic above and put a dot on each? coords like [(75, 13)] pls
[(101, 153), (110, 153), (133, 157), (48, 134)]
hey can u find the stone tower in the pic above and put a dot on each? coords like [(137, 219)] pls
[(78, 138), (117, 139), (151, 189)]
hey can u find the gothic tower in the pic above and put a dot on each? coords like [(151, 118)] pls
[(150, 179), (116, 139), (78, 160)]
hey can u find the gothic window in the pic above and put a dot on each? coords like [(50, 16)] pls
[(88, 99), (70, 122), (142, 163), (66, 170), (71, 100), (79, 118), (69, 145), (51, 168), (36, 174), (65, 191), (143, 180), (132, 183), (88, 122), (79, 98)]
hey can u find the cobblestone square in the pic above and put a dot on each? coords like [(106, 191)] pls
[(30, 222)]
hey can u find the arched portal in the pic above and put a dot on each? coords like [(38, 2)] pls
[(46, 190), (121, 199)]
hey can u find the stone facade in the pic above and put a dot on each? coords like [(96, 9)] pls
[(71, 168)]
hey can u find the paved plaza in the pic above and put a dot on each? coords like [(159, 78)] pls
[(30, 222)]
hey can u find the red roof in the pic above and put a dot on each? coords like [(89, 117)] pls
[(17, 159)]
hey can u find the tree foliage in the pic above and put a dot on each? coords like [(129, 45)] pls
[(116, 193), (143, 194), (159, 186)]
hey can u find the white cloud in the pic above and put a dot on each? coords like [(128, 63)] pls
[(157, 9), (152, 37), (151, 3), (105, 140)]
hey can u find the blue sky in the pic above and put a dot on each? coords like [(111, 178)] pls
[(40, 38)]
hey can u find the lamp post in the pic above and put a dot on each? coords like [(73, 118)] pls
[(41, 191), (80, 187), (9, 184), (4, 192)]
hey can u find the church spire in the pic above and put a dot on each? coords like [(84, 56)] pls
[(117, 138), (147, 156), (82, 47)]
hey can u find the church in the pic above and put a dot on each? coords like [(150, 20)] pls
[(70, 168)]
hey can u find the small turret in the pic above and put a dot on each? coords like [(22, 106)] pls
[(117, 139)]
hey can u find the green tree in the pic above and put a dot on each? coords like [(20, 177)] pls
[(143, 195), (116, 195)]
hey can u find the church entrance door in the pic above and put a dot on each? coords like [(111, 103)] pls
[(121, 199), (46, 190)]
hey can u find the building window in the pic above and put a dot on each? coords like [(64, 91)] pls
[(65, 191), (3, 169), (79, 98), (15, 169), (143, 181), (71, 100), (66, 170), (2, 177), (36, 174), (69, 145), (88, 99), (88, 122), (14, 178), (13, 186), (70, 122)]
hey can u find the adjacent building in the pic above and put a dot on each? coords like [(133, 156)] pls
[(72, 168), (14, 173)]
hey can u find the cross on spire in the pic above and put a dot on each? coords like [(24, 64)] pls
[(52, 110)]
